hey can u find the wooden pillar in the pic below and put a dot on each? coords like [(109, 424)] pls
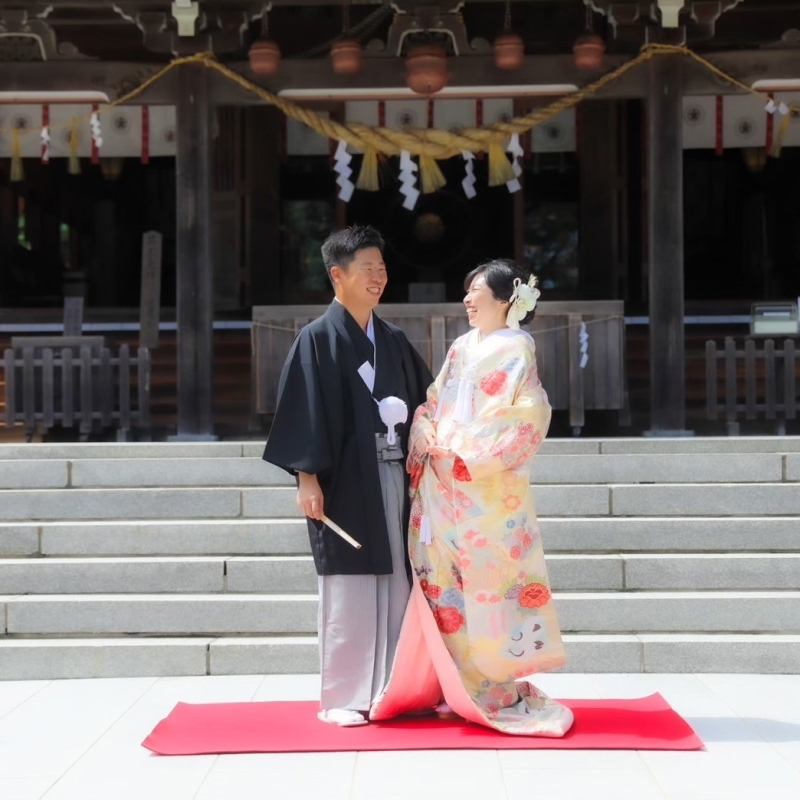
[(598, 251), (262, 153), (665, 247), (194, 266)]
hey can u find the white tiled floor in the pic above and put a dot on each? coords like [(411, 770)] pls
[(80, 740)]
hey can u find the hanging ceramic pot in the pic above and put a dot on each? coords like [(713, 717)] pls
[(265, 56), (509, 51), (346, 57), (426, 69)]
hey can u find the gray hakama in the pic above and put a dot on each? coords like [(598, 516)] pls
[(360, 615)]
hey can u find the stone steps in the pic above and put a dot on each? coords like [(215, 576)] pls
[(189, 559), (556, 470), (289, 574), (41, 659), (630, 500), (591, 535), (208, 614)]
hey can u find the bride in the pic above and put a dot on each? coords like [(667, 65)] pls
[(481, 615)]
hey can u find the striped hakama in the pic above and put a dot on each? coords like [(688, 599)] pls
[(360, 616)]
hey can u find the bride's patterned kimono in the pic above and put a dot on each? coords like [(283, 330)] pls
[(481, 615)]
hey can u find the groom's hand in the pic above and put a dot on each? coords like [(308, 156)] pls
[(310, 499)]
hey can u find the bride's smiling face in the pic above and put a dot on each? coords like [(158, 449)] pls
[(484, 310)]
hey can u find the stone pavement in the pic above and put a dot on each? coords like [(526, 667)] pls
[(80, 740)]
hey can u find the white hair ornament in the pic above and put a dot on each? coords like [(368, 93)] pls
[(522, 301)]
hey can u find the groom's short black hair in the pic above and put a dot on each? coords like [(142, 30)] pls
[(340, 248), (499, 274)]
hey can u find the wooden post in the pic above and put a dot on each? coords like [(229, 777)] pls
[(193, 251), (150, 304), (665, 244)]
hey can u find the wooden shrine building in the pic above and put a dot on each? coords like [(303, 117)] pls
[(179, 163)]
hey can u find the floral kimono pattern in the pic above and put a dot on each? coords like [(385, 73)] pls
[(481, 596)]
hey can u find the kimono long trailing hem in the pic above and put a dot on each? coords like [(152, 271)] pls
[(481, 614)]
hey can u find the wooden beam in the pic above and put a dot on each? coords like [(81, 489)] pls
[(194, 262), (665, 238), (115, 78)]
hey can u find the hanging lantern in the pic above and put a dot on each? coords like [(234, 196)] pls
[(589, 51), (426, 69), (346, 53), (346, 57), (509, 51), (264, 54)]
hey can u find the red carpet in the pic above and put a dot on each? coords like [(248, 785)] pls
[(647, 723)]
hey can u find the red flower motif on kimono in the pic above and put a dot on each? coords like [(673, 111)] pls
[(415, 477), (512, 502), (460, 471), (495, 382), (516, 552), (449, 619), (537, 437), (423, 584), (534, 595), (434, 592)]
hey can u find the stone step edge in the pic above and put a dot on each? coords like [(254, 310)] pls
[(274, 521), (306, 597), (236, 655)]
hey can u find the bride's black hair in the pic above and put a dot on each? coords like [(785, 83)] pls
[(499, 274)]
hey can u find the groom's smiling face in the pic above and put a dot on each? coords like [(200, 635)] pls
[(362, 282)]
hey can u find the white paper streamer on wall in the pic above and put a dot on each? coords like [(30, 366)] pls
[(342, 161), (97, 133), (468, 184), (516, 151), (45, 137), (408, 180), (583, 336)]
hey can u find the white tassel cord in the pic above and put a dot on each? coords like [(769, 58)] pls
[(408, 180), (516, 151), (583, 337), (468, 184), (342, 167)]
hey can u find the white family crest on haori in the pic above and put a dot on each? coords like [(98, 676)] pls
[(393, 412), (523, 301)]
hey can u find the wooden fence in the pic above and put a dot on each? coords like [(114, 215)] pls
[(83, 385), (770, 382), (599, 384)]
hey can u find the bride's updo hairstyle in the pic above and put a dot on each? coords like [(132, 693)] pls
[(500, 274)]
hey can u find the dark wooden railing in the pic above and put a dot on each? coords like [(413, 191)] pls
[(75, 385), (572, 382), (770, 382)]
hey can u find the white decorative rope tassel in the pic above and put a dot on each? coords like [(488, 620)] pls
[(408, 180), (515, 150), (583, 336), (97, 133), (342, 161), (468, 184)]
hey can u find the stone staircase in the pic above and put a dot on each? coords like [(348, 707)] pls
[(189, 559)]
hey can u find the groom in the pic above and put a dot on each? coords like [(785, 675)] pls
[(328, 432)]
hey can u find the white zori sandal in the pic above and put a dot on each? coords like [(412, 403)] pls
[(343, 717)]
